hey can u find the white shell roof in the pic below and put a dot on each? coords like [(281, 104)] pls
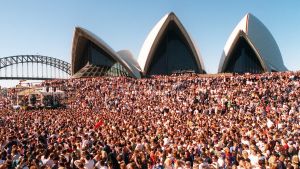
[(127, 56), (150, 44), (81, 32), (261, 41)]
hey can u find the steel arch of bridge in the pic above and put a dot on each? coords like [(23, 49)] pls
[(46, 60)]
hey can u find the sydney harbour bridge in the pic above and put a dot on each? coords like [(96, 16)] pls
[(33, 67)]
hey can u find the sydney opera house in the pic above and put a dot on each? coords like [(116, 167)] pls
[(169, 49)]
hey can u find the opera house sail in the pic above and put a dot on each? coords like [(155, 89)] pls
[(251, 48), (169, 49), (92, 57)]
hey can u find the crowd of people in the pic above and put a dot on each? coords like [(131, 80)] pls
[(5, 100), (163, 122)]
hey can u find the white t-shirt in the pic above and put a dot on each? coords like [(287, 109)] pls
[(139, 147), (89, 164), (221, 162), (98, 166), (269, 123), (85, 143), (203, 165), (166, 140), (47, 161), (253, 160)]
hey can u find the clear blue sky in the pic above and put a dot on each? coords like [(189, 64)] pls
[(46, 27)]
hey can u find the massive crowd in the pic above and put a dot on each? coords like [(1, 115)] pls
[(182, 122)]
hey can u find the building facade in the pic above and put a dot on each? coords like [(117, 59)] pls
[(91, 57), (169, 49), (251, 48)]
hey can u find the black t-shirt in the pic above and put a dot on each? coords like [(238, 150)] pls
[(281, 165)]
